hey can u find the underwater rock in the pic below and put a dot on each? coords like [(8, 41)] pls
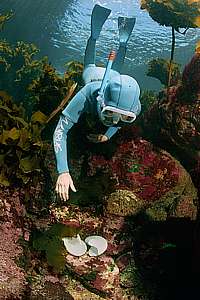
[(123, 203), (46, 289), (101, 273), (42, 223), (123, 261), (191, 76), (185, 209), (12, 277), (179, 202), (113, 229), (116, 231), (76, 217), (78, 291), (143, 177), (127, 279)]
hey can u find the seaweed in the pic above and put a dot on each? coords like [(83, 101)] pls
[(159, 68), (175, 14), (23, 150), (50, 242)]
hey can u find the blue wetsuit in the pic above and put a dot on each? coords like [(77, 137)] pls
[(83, 101)]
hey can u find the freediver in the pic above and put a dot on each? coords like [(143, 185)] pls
[(107, 94)]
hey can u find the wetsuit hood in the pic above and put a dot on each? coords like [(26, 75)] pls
[(123, 94)]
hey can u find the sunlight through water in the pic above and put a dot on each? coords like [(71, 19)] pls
[(148, 39), (60, 29)]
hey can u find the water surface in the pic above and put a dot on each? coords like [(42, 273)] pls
[(61, 28)]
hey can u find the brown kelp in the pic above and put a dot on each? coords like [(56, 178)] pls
[(176, 14)]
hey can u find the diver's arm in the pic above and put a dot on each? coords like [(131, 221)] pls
[(60, 143), (111, 131), (64, 181), (70, 115), (101, 138)]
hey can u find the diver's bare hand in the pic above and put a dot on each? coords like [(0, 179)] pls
[(64, 182), (97, 138)]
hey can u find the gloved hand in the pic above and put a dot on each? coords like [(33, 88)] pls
[(64, 182), (97, 138)]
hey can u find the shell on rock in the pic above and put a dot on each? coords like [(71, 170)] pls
[(75, 245), (98, 245)]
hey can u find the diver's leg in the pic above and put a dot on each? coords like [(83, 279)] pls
[(98, 18), (90, 50), (125, 26), (119, 61)]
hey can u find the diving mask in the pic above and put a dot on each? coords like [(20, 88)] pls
[(112, 115)]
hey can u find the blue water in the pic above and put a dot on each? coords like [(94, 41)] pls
[(61, 28)]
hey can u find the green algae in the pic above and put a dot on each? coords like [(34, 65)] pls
[(51, 243)]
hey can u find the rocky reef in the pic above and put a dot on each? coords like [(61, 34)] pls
[(139, 182), (139, 191), (139, 186), (145, 178)]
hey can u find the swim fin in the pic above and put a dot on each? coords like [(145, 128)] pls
[(98, 18), (125, 26)]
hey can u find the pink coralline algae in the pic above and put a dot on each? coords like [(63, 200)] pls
[(115, 230), (101, 272), (138, 167), (12, 277), (74, 217)]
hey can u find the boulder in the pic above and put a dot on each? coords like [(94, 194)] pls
[(145, 178), (101, 273)]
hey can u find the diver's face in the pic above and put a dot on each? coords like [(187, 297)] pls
[(110, 118)]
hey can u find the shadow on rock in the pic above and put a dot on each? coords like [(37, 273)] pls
[(165, 261)]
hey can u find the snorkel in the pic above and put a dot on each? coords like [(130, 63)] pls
[(100, 97)]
